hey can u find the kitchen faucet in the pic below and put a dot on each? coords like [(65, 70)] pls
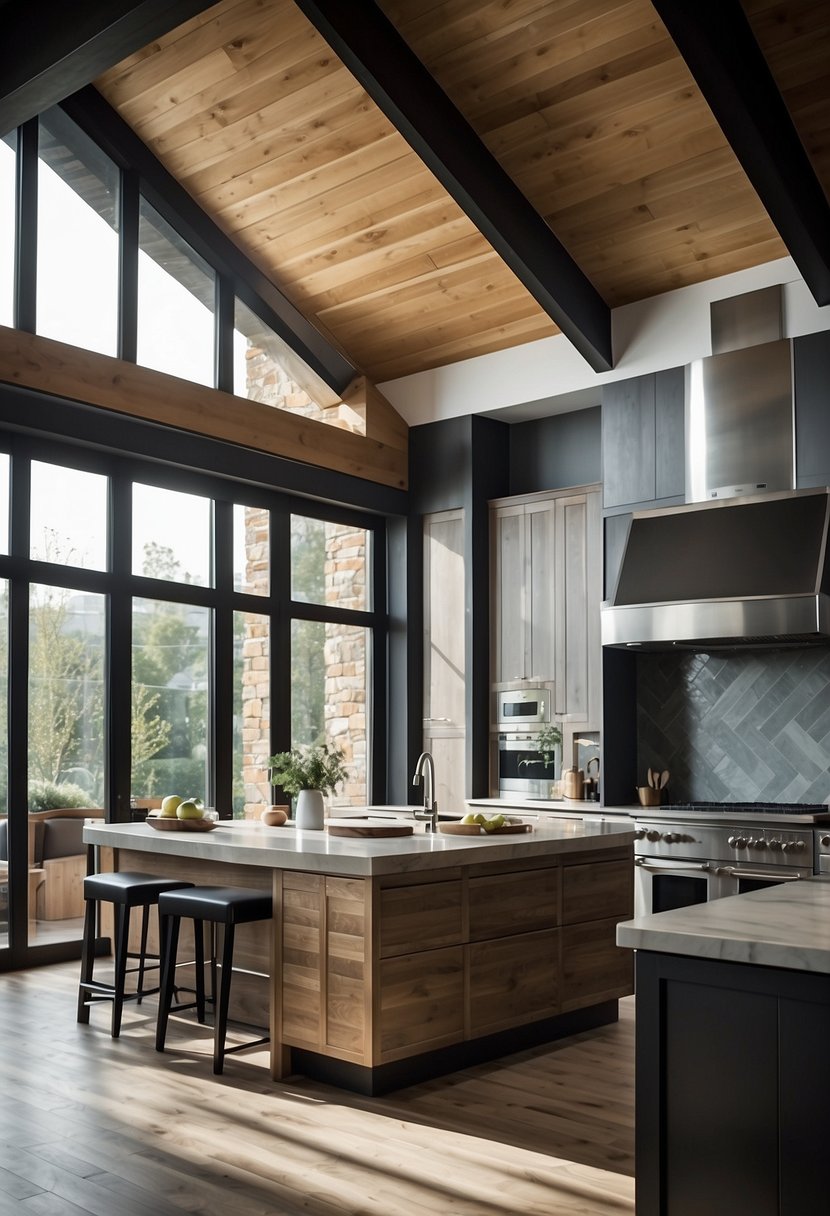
[(425, 775)]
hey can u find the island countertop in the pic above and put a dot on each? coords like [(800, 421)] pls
[(786, 926), (247, 842)]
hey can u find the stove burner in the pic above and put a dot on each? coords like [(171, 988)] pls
[(748, 808)]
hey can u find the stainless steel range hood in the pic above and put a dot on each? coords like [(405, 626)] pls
[(738, 572)]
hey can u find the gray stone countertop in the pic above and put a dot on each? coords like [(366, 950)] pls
[(783, 926), (549, 806), (251, 843)]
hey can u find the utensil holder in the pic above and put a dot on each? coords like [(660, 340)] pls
[(649, 796)]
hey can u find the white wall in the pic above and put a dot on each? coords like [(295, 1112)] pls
[(549, 377)]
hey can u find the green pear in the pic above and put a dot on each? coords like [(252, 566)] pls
[(189, 810), (170, 805)]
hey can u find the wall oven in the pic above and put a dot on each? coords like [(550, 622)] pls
[(683, 861), (523, 707), (520, 767)]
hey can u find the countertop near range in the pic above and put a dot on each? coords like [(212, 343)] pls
[(786, 926), (564, 807), (250, 843)]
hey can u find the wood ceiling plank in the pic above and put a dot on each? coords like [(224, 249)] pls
[(415, 280), (432, 28)]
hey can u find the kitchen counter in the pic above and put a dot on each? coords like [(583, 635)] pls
[(782, 926), (246, 842), (733, 1005), (548, 806), (393, 959)]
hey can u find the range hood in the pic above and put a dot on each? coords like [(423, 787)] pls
[(749, 571)]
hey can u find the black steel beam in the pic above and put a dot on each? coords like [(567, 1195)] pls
[(49, 50), (377, 56), (719, 47)]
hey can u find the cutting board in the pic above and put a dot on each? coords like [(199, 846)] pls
[(345, 828), (475, 829)]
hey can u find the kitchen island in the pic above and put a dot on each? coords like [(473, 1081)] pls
[(395, 959), (733, 1008)]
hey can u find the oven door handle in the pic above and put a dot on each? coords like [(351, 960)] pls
[(734, 872), (673, 867)]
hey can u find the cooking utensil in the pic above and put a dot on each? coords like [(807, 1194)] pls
[(652, 778), (664, 779)]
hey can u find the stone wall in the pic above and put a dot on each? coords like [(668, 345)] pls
[(269, 382)]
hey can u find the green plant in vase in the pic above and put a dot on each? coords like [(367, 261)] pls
[(308, 773), (548, 739)]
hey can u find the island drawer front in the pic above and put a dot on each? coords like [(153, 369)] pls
[(302, 958), (505, 904), (421, 1002), (597, 889), (423, 916), (513, 980), (594, 967)]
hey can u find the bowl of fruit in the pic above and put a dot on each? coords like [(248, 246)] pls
[(177, 814), (477, 824)]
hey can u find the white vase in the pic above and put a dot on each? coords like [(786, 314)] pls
[(310, 810)]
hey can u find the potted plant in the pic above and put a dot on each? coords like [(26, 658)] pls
[(548, 740), (308, 773)]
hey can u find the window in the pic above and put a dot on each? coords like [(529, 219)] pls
[(176, 292), (328, 563), (68, 522), (170, 729), (172, 535), (251, 713), (251, 550), (4, 502), (266, 369), (8, 172), (77, 249)]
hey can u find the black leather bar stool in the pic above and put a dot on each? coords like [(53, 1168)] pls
[(226, 906), (125, 891)]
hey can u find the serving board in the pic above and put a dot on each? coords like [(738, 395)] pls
[(369, 829), (475, 829), (165, 823)]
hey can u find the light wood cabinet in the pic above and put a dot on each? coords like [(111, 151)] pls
[(444, 651), (546, 579), (506, 904), (513, 981)]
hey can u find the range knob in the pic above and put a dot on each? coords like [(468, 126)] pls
[(640, 834), (794, 846), (672, 837), (653, 836), (759, 843), (737, 842), (825, 842), (775, 845)]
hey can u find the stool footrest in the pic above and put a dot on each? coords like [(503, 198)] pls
[(246, 1046)]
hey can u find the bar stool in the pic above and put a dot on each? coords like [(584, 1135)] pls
[(125, 891), (226, 906)]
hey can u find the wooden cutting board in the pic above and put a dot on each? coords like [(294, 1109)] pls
[(475, 829), (344, 828)]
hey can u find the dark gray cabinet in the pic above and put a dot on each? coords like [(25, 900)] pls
[(811, 374), (643, 453)]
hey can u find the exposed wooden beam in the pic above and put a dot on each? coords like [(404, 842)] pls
[(49, 49), (717, 43), (374, 52)]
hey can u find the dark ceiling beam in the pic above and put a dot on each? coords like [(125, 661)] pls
[(377, 56), (719, 47), (49, 48)]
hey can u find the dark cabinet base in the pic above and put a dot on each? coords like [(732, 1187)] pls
[(732, 1089)]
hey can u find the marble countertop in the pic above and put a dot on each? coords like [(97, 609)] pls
[(783, 926), (549, 806), (251, 843)]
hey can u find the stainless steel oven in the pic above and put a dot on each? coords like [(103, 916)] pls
[(522, 771), (523, 707), (678, 863)]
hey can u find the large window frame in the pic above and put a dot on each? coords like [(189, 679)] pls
[(120, 587)]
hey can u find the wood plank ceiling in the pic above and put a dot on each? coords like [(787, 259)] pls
[(585, 103)]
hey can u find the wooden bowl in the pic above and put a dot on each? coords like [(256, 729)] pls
[(167, 823), (275, 816)]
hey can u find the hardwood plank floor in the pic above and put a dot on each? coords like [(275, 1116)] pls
[(89, 1125)]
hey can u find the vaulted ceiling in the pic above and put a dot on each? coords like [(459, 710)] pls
[(561, 158)]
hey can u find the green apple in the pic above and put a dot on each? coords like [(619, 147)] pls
[(189, 810), (481, 819), (469, 820), (497, 821), (170, 805), (489, 825)]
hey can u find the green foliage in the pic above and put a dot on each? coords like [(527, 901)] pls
[(51, 796), (549, 738), (320, 767)]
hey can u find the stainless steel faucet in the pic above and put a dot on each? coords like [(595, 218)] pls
[(425, 775)]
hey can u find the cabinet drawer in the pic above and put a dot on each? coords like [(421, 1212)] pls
[(513, 981), (420, 917), (597, 890), (421, 1003), (505, 904), (594, 967)]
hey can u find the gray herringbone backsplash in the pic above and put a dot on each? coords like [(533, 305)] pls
[(751, 727)]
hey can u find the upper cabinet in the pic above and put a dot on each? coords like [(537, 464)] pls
[(643, 452), (546, 590)]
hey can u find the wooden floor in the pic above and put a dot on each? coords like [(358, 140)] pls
[(94, 1125)]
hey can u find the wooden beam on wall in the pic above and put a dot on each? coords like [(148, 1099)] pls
[(67, 371), (49, 49), (380, 418), (719, 47), (380, 59)]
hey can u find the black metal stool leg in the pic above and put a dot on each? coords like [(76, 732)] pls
[(122, 936), (87, 959), (220, 1029), (199, 958), (145, 921), (169, 938)]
